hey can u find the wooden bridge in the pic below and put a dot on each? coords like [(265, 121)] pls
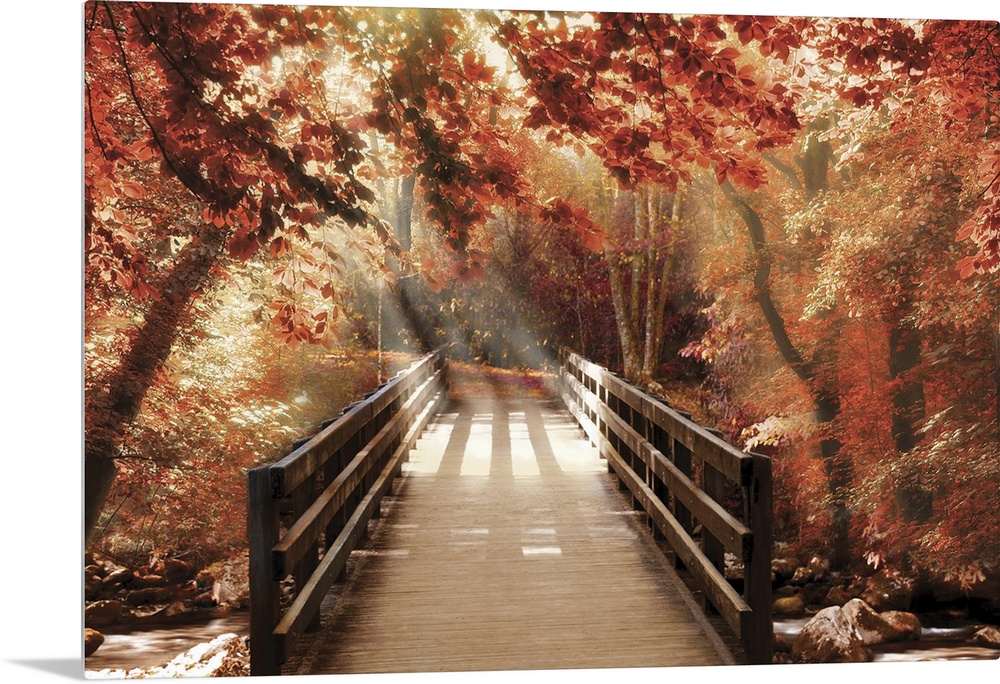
[(424, 532)]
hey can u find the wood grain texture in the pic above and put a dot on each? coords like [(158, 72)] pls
[(506, 546)]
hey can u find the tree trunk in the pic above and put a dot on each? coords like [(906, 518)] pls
[(109, 411), (908, 406), (825, 397)]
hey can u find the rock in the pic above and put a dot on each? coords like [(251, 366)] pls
[(814, 593), (906, 624), (223, 595), (780, 644), (176, 609), (205, 599), (789, 606), (838, 596), (779, 658), (829, 637), (988, 636), (784, 568), (148, 581), (141, 597), (92, 588), (887, 593), (174, 569), (102, 613), (801, 576), (784, 591), (819, 567), (92, 640), (119, 577), (869, 625)]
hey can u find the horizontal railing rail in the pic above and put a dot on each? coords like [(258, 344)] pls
[(310, 510), (703, 495)]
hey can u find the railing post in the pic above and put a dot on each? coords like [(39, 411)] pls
[(759, 638), (264, 608)]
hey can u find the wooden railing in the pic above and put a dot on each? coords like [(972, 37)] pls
[(308, 511), (685, 476)]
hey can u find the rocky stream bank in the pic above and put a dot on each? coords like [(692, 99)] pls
[(837, 617), (847, 615), (164, 592)]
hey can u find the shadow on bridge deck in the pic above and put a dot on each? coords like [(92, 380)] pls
[(507, 546)]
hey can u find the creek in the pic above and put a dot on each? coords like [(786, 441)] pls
[(937, 642), (157, 645)]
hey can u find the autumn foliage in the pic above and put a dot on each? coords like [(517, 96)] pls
[(799, 216)]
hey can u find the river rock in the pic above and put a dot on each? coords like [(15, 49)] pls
[(117, 578), (906, 624), (148, 595), (147, 581), (792, 606), (92, 586), (838, 596), (819, 567), (988, 636), (887, 593), (784, 568), (175, 569), (829, 637), (780, 644), (92, 640), (102, 613), (801, 576), (876, 629)]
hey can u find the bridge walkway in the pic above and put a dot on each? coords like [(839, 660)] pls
[(506, 545)]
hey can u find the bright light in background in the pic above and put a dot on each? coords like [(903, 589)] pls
[(479, 448), (522, 455)]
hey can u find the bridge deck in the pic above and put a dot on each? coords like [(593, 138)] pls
[(507, 546)]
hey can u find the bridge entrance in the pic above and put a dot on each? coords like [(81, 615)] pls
[(507, 546)]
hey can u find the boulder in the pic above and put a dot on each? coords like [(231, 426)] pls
[(174, 569), (907, 625), (102, 613), (988, 636), (819, 567), (117, 578), (801, 576), (792, 606), (838, 596), (780, 644), (92, 588), (92, 640), (147, 581), (141, 597), (784, 568), (814, 593), (872, 627), (829, 637), (887, 593)]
